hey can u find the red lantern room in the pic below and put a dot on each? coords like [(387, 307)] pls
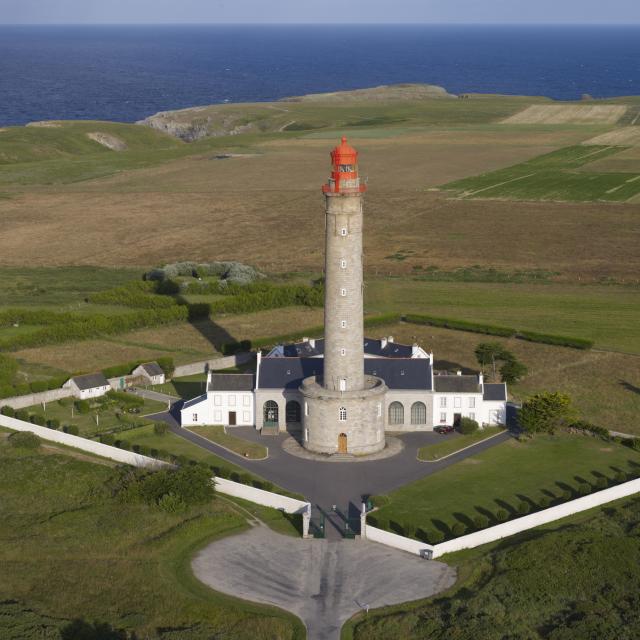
[(344, 176)]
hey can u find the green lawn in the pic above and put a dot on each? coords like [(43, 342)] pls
[(69, 550), (605, 314), (218, 434), (504, 476), (576, 579), (459, 441), (553, 176), (106, 419)]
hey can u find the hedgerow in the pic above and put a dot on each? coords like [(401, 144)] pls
[(461, 325), (561, 341), (133, 294)]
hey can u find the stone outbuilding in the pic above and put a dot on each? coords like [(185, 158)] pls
[(151, 372), (92, 385)]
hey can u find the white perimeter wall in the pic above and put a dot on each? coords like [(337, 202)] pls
[(228, 487), (505, 529), (19, 402), (213, 365)]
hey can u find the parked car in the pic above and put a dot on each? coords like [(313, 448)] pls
[(444, 428)]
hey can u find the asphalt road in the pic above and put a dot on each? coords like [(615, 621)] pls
[(342, 484)]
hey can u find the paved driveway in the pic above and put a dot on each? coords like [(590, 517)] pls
[(341, 484), (324, 583)]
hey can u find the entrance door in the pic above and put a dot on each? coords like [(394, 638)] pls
[(342, 443), (457, 417), (232, 418)]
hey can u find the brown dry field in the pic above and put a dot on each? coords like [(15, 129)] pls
[(267, 210), (625, 137), (568, 114), (627, 161)]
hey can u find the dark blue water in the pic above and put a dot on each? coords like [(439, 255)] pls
[(127, 73)]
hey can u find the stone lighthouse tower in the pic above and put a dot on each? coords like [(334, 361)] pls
[(344, 410)]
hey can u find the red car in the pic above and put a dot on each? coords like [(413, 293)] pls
[(444, 428)]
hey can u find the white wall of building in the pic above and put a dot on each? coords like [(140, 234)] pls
[(216, 407), (468, 405)]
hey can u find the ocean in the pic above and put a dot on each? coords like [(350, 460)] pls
[(126, 73)]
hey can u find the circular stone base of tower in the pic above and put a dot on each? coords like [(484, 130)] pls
[(349, 422)]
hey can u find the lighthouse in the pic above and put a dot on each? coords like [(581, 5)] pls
[(344, 408)]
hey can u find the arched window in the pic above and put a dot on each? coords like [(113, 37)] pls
[(418, 413), (396, 413), (270, 412), (342, 414), (294, 413)]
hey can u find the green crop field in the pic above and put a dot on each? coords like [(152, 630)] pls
[(504, 476), (569, 580), (71, 550), (554, 176)]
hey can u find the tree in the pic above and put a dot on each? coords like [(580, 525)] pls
[(512, 371), (489, 353), (468, 426), (545, 412)]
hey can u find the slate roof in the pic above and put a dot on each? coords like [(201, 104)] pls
[(371, 347), (231, 382), (288, 373), (495, 392), (152, 369), (193, 402), (456, 384), (90, 381)]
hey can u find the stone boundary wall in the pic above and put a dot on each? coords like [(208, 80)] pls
[(214, 365), (505, 529), (19, 402), (227, 487)]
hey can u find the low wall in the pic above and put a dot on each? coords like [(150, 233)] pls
[(506, 529), (228, 487), (19, 402), (214, 364), (260, 496), (84, 444)]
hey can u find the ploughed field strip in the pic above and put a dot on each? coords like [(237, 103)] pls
[(324, 583), (568, 114), (554, 176)]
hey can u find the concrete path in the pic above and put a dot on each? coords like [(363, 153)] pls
[(324, 583), (153, 395)]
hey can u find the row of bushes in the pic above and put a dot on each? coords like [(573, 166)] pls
[(133, 294), (80, 326), (495, 330), (37, 386), (38, 420), (481, 521)]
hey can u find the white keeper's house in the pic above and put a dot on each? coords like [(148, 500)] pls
[(418, 398)]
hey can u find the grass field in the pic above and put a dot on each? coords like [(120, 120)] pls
[(567, 580), (504, 476), (225, 438), (71, 550), (460, 441), (554, 176)]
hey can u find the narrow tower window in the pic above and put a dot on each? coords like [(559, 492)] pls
[(343, 324), (343, 264), (343, 231), (343, 292), (343, 352), (342, 414)]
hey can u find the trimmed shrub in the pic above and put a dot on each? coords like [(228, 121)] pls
[(566, 495), (458, 529), (562, 341), (65, 402), (37, 386), (160, 428), (480, 521), (22, 414), (468, 426), (409, 530), (502, 515), (382, 523), (71, 429), (544, 502), (621, 477), (82, 406), (107, 438), (24, 440), (461, 325), (602, 483), (584, 488), (267, 486), (166, 364), (223, 472), (125, 399), (7, 391), (8, 411), (123, 444), (524, 508), (53, 423), (435, 537), (38, 419), (245, 478)]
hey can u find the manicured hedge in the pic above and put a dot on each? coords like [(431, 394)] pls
[(133, 294), (562, 341), (461, 325)]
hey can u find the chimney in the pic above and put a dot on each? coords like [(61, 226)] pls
[(312, 342), (390, 338), (458, 372), (480, 379), (383, 343), (305, 339)]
